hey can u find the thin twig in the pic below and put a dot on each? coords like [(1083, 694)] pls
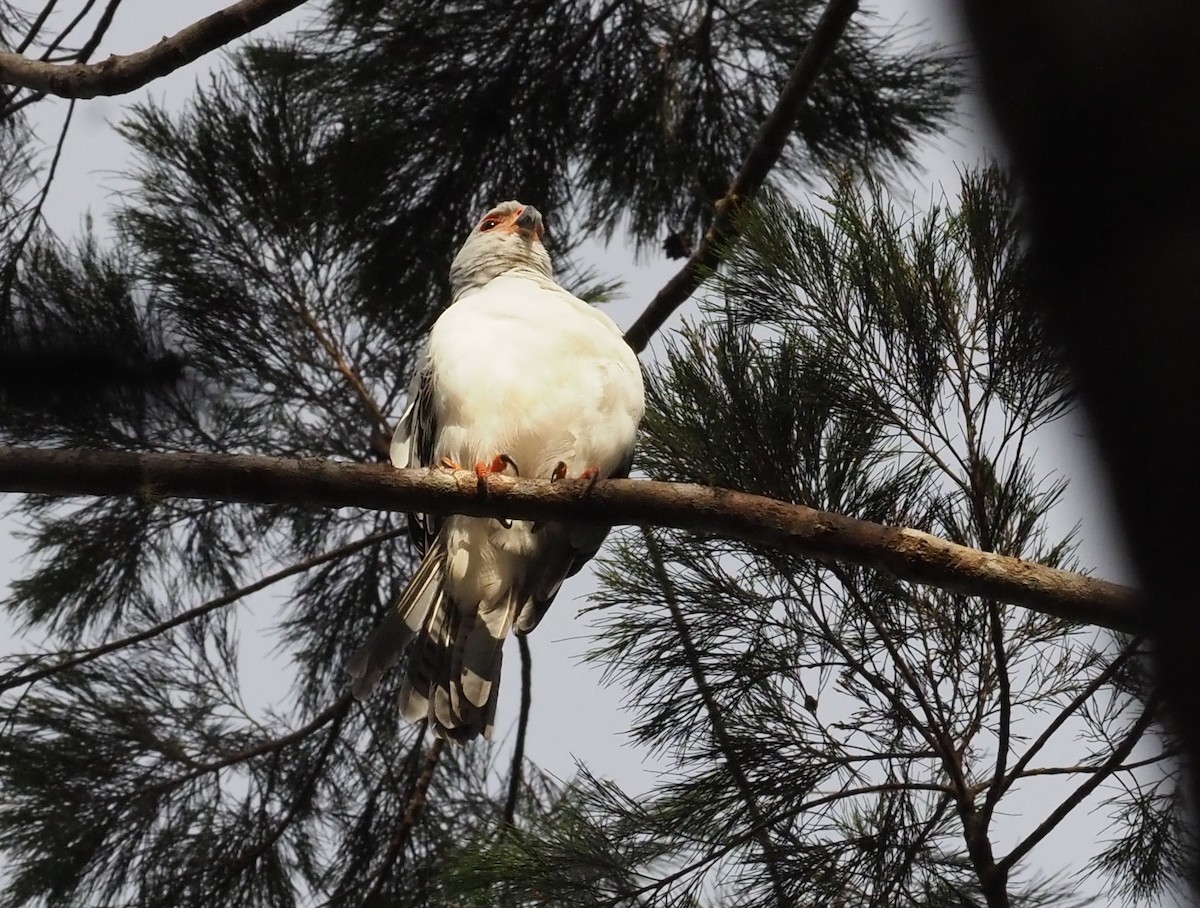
[(229, 598), (1079, 700), (741, 839), (1111, 765), (93, 42), (120, 74), (416, 803), (18, 250), (716, 720), (331, 713), (768, 147), (401, 835), (343, 366), (36, 26), (518, 758), (907, 553), (302, 799)]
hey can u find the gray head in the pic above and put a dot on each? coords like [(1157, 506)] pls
[(507, 237)]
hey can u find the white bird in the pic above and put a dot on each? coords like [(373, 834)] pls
[(518, 373)]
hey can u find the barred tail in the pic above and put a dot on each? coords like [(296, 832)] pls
[(454, 672)]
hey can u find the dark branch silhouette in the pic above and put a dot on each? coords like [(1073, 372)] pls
[(120, 74), (907, 553), (763, 155), (25, 674), (518, 757)]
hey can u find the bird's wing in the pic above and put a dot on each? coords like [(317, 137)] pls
[(412, 446), (562, 551)]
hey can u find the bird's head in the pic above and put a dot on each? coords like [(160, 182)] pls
[(507, 237)]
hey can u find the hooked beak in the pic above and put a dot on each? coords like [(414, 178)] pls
[(530, 221)]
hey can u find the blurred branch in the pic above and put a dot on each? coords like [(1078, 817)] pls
[(18, 250), (416, 803), (381, 428), (518, 758), (907, 553), (120, 74), (845, 794), (300, 802), (414, 797), (768, 146), (332, 713)]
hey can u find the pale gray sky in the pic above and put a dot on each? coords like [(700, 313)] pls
[(89, 177)]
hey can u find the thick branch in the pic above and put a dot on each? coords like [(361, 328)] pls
[(120, 74), (909, 554), (768, 147)]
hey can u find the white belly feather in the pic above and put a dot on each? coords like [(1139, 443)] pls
[(542, 377)]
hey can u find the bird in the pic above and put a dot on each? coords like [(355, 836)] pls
[(517, 376)]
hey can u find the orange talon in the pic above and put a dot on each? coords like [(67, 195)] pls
[(449, 464), (499, 464), (592, 475), (481, 475)]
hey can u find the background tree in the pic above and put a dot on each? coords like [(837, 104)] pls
[(837, 736), (284, 249)]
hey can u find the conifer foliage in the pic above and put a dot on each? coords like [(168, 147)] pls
[(834, 735)]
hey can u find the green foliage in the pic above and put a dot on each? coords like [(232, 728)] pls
[(833, 735), (283, 250)]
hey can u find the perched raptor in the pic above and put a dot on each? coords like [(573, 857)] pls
[(519, 375)]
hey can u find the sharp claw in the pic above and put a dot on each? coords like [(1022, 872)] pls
[(504, 522), (559, 472), (499, 464), (449, 464), (503, 460)]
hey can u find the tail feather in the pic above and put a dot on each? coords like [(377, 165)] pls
[(405, 619), (453, 676), (455, 679)]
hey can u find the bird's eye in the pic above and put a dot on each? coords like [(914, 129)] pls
[(488, 224)]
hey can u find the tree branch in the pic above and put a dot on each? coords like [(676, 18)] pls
[(1104, 771), (518, 757), (1069, 710), (120, 74), (19, 676), (768, 147), (331, 713), (909, 554), (302, 800), (721, 736)]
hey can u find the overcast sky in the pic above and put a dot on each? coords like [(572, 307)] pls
[(90, 176)]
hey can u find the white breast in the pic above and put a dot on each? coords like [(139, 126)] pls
[(525, 369)]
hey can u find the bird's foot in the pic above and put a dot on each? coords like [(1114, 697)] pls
[(499, 464), (448, 464), (591, 474)]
